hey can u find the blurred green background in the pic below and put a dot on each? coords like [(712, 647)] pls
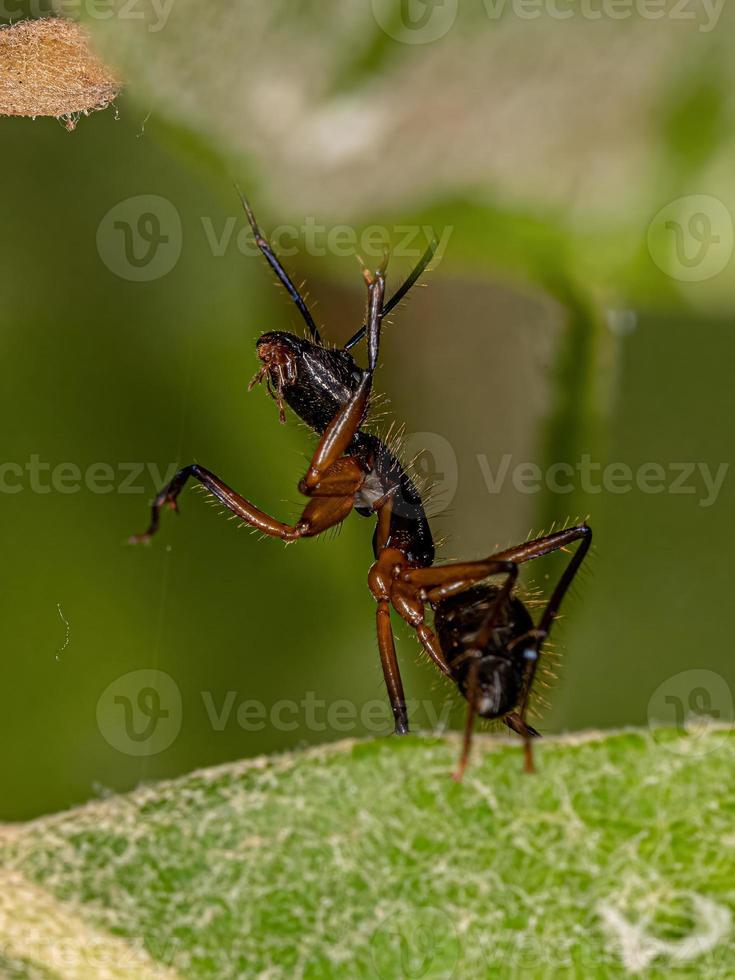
[(547, 331)]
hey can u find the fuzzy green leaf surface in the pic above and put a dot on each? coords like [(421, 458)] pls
[(364, 859)]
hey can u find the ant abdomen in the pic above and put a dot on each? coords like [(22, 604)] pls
[(490, 677)]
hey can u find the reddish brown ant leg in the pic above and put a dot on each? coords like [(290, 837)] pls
[(464, 758), (446, 580), (380, 581), (516, 724), (401, 292), (439, 582), (321, 513), (391, 671), (525, 552), (227, 496), (430, 643), (339, 433)]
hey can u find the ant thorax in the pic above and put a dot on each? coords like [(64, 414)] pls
[(409, 526)]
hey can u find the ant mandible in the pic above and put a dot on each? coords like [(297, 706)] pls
[(483, 639)]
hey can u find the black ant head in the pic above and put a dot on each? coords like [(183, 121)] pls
[(314, 381)]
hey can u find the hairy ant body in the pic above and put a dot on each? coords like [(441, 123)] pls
[(483, 639)]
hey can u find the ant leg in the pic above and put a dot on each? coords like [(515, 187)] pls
[(469, 725), (484, 633), (534, 640), (430, 643), (232, 500), (320, 513), (405, 601), (337, 436), (400, 293), (376, 296), (333, 498), (375, 283), (548, 544), (410, 607), (543, 546), (519, 726), (480, 641), (423, 585), (265, 247), (439, 582), (391, 671), (379, 581), (340, 431), (444, 581)]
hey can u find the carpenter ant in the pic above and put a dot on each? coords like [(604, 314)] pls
[(483, 638)]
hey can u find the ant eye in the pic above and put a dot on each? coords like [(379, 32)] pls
[(530, 654)]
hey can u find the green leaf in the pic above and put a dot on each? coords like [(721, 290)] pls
[(366, 860)]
